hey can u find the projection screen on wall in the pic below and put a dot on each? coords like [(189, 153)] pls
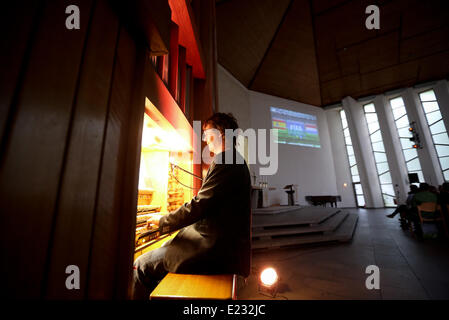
[(295, 128)]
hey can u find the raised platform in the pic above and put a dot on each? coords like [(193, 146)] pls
[(306, 225), (275, 209), (297, 215)]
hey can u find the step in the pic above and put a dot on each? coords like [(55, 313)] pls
[(344, 233), (346, 230), (275, 209), (328, 225), (304, 215)]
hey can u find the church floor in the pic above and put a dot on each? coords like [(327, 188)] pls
[(409, 268)]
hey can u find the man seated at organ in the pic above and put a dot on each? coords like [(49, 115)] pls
[(215, 235)]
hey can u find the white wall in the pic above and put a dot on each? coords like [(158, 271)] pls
[(312, 169), (233, 97)]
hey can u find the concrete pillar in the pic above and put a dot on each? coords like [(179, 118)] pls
[(393, 148), (363, 153)]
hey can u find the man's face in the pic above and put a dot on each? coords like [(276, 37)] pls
[(213, 138)]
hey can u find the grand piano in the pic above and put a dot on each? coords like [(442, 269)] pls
[(323, 200)]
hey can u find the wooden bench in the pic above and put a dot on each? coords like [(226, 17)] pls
[(195, 286)]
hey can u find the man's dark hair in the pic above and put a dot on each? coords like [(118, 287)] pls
[(413, 188), (445, 186), (424, 187), (221, 122)]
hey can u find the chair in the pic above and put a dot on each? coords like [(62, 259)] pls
[(435, 209)]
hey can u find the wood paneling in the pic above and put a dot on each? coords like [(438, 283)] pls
[(129, 193), (148, 21), (70, 150), (33, 158), (77, 199), (323, 5), (111, 208), (20, 25)]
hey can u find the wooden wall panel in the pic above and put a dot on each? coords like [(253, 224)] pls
[(69, 166), (34, 154), (77, 200), (147, 20), (19, 24), (127, 221), (323, 5), (109, 213)]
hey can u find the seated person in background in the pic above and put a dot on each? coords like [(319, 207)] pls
[(404, 208), (423, 195), (216, 223), (433, 190), (444, 200), (444, 193)]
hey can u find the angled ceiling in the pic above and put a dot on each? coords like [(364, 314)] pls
[(319, 52)]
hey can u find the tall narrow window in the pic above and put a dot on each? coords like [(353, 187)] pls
[(380, 156), (189, 85), (154, 61), (403, 125), (358, 190), (165, 68), (437, 129)]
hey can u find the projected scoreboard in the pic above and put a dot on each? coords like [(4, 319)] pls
[(295, 128)]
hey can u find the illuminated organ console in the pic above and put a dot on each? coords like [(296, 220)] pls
[(163, 187)]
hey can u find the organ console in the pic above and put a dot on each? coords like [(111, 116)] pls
[(164, 182)]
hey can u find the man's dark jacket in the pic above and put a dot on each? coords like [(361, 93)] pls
[(216, 234)]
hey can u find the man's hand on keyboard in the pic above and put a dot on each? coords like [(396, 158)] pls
[(154, 219)]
